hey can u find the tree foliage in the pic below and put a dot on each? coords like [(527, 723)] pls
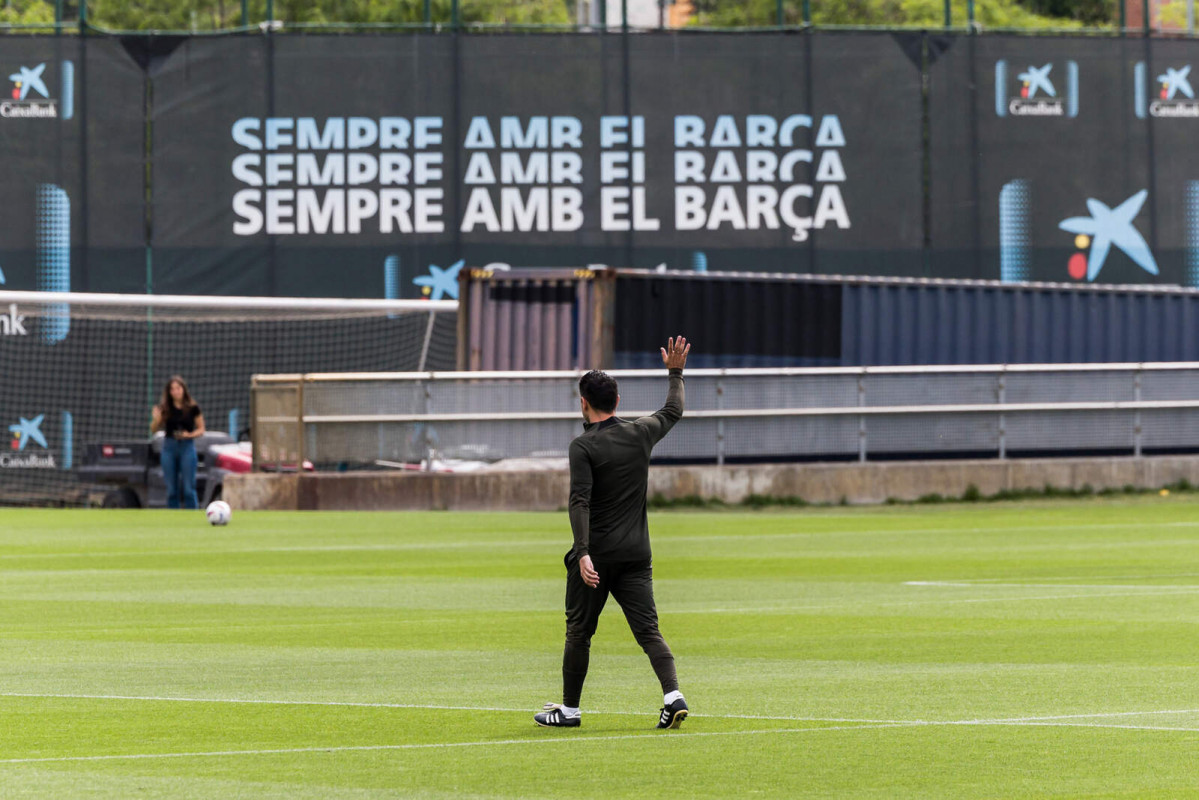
[(931, 13), (201, 15), (26, 12), (216, 14)]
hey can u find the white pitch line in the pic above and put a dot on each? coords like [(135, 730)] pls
[(1009, 579), (1090, 595), (435, 707), (582, 739), (1056, 719), (1007, 598), (869, 725), (968, 584), (1099, 715), (436, 745), (1100, 726), (431, 707), (1003, 599), (1017, 598)]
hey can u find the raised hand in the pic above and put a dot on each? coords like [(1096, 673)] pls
[(674, 354)]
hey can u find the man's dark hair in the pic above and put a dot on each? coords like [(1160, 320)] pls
[(600, 390)]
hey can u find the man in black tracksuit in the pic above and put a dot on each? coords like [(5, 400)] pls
[(609, 470)]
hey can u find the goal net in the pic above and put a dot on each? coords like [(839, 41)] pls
[(77, 369)]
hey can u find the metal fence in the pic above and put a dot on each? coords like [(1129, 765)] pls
[(744, 415)]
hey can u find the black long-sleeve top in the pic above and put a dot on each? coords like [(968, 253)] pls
[(609, 473)]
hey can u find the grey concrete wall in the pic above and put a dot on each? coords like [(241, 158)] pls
[(814, 483), (399, 491), (878, 482)]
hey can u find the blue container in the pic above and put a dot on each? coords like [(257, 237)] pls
[(619, 318)]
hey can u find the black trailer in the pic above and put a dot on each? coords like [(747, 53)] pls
[(134, 470)]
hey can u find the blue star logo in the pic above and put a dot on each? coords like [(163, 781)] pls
[(1038, 78), (440, 283), (1175, 80), (28, 79), (28, 429), (1107, 227)]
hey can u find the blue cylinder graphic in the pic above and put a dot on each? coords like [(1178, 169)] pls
[(53, 239), (1014, 209), (1141, 90), (699, 261), (233, 423), (1001, 88), (1192, 233), (68, 440), (391, 279), (67, 104)]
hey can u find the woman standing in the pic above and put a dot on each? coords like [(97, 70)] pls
[(179, 417)]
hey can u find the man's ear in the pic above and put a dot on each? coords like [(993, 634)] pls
[(617, 403)]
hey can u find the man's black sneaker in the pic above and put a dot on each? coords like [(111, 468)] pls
[(673, 714), (552, 716)]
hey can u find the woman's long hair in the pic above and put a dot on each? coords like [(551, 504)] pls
[(166, 403)]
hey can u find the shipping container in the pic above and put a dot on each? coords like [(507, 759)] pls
[(617, 319)]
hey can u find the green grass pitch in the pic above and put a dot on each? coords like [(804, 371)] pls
[(1031, 650)]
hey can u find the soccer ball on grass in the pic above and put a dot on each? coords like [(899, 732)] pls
[(218, 512)]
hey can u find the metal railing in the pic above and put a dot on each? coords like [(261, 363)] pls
[(739, 414)]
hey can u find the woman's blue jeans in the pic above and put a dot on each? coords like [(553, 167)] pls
[(179, 471)]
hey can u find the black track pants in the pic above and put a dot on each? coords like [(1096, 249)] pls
[(631, 584)]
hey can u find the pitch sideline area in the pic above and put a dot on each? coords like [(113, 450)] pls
[(951, 651)]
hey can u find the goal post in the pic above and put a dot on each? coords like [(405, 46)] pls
[(77, 368)]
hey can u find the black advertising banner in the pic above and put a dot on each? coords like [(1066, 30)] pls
[(41, 132), (1046, 172), (71, 126), (73, 219), (113, 102), (537, 129), (1164, 105), (381, 165), (321, 167), (371, 121), (953, 193), (871, 82), (731, 152), (204, 88), (41, 228)]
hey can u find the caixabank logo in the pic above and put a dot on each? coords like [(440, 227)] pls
[(1095, 235), (31, 95), (1170, 95), (1104, 229), (1037, 91), (28, 448)]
